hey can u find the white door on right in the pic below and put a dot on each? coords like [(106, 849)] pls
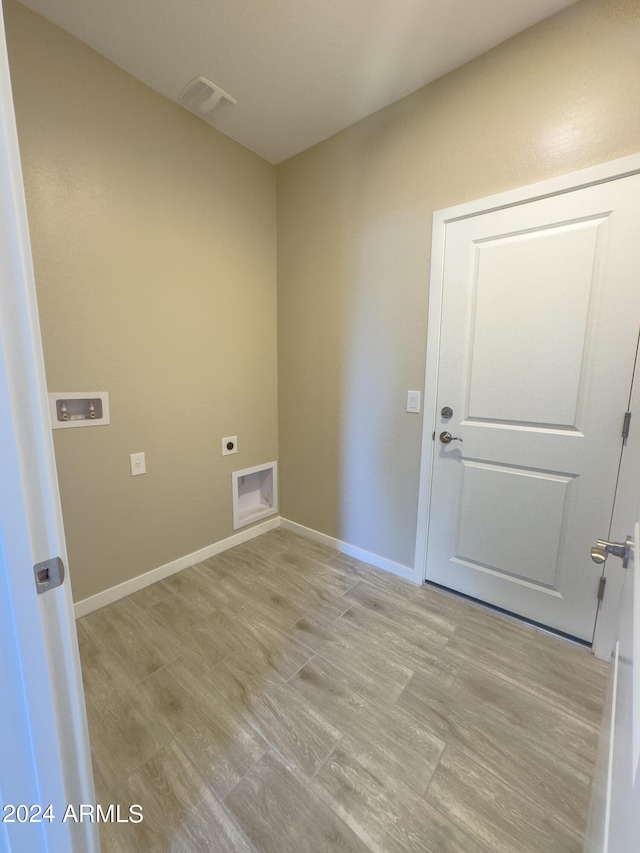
[(539, 326), (614, 819)]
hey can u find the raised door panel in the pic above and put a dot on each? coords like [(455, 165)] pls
[(500, 508), (532, 293)]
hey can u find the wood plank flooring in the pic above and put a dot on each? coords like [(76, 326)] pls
[(283, 698)]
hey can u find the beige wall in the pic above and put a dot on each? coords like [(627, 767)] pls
[(153, 239), (154, 245), (354, 223)]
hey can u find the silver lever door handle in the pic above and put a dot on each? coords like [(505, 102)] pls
[(447, 438), (603, 548)]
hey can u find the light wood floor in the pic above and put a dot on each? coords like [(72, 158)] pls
[(283, 698)]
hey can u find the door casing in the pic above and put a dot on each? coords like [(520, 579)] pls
[(613, 170)]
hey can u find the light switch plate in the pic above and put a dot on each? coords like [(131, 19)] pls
[(413, 402), (138, 464)]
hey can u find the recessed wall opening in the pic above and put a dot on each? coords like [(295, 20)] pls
[(255, 493)]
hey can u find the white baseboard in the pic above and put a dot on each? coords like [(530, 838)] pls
[(101, 599), (407, 572), (115, 593)]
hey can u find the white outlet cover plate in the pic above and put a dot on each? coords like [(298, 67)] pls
[(227, 440), (138, 464)]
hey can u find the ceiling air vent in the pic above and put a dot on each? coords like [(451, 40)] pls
[(204, 97)]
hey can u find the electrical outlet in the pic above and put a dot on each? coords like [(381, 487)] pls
[(138, 464), (229, 445)]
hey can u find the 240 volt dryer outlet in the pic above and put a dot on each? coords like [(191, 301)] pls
[(229, 445)]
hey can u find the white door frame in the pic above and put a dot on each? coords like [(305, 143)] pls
[(607, 618), (44, 746), (626, 512), (614, 814)]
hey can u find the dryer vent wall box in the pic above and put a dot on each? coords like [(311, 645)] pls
[(78, 409), (255, 493)]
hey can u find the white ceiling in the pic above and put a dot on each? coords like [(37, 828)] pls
[(301, 70)]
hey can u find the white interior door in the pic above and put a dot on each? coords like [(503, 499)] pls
[(614, 819), (44, 749), (538, 329)]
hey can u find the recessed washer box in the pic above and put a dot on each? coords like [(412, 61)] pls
[(255, 493), (78, 409)]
